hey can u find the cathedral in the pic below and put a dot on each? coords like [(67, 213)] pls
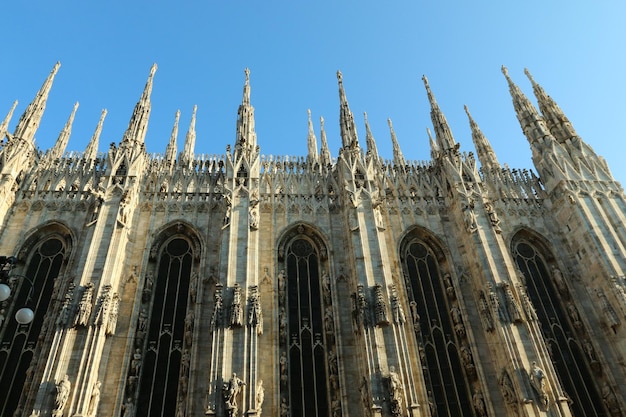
[(186, 285)]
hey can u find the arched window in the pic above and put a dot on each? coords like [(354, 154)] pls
[(18, 341), (157, 364), (307, 349), (570, 362), (436, 330)]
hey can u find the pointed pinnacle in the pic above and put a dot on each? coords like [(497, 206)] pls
[(324, 152), (246, 87), (92, 147), (61, 143), (29, 122), (369, 138), (170, 151), (311, 141), (4, 126), (190, 140)]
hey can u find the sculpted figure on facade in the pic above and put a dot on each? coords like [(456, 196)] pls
[(485, 312), (559, 280), (538, 381), (63, 388), (457, 319), (468, 361), (396, 392), (493, 217), (415, 317), (94, 399), (326, 287), (217, 308), (189, 324), (574, 316), (147, 288), (396, 308), (135, 363), (236, 309), (479, 403), (129, 408), (469, 217), (447, 279), (260, 397), (610, 401), (230, 391), (512, 306)]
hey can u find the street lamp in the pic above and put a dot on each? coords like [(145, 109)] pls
[(25, 314)]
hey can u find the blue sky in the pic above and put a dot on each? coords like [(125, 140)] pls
[(574, 49)]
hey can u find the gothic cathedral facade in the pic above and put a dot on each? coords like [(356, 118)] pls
[(184, 285)]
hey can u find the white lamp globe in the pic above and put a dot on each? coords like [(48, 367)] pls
[(24, 315), (5, 292)]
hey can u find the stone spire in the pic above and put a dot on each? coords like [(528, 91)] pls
[(486, 155), (555, 118), (434, 148), (246, 137), (398, 157), (349, 139), (29, 122), (311, 142), (369, 140), (443, 134), (92, 147), (57, 150), (4, 126), (187, 156), (135, 134), (324, 152), (533, 125), (171, 150)]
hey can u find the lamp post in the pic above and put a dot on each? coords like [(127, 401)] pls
[(24, 315)]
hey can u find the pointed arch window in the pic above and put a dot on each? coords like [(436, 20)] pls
[(158, 364), (306, 345), (569, 361), (435, 330), (18, 342)]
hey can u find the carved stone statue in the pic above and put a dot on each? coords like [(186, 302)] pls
[(230, 391), (479, 403), (94, 400), (395, 392), (260, 397), (415, 316), (85, 306), (236, 310), (63, 388), (559, 281), (380, 306), (135, 363), (129, 408)]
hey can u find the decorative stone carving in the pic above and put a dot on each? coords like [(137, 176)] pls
[(531, 313), (189, 325), (512, 306), (193, 286), (572, 311), (135, 363), (610, 315), (66, 309), (508, 391), (217, 308), (84, 306), (255, 315), (468, 361), (610, 400), (329, 326), (380, 307), (326, 288), (112, 321), (485, 312), (359, 309), (396, 307), (236, 309), (459, 328), (253, 218), (415, 317)]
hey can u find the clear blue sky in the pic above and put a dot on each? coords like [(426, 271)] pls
[(575, 49)]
